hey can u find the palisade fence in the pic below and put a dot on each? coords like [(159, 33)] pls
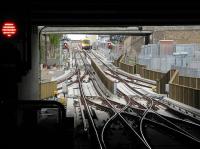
[(126, 67), (160, 77), (48, 89), (185, 89), (116, 62), (181, 88)]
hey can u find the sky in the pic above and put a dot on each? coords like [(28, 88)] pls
[(76, 36)]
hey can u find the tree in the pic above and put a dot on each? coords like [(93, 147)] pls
[(43, 49), (54, 40), (49, 45)]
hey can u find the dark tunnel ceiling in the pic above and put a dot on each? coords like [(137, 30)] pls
[(109, 13)]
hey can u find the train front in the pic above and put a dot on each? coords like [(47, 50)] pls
[(86, 44)]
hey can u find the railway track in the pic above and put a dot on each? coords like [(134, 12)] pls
[(149, 99), (151, 102), (92, 130), (139, 83), (60, 81), (116, 115), (136, 126), (134, 120)]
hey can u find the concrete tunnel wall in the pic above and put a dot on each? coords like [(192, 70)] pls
[(28, 88)]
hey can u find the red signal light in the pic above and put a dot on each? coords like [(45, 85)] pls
[(9, 29), (65, 45)]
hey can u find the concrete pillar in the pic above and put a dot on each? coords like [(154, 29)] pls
[(29, 86)]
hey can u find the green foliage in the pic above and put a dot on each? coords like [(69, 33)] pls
[(50, 49), (54, 39)]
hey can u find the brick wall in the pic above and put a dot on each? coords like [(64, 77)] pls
[(180, 37)]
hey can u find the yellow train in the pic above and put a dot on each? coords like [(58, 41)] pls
[(85, 44)]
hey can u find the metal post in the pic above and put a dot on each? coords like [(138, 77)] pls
[(60, 52), (45, 41), (182, 60), (175, 60)]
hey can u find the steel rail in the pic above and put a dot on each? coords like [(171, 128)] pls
[(114, 116), (149, 100), (87, 109)]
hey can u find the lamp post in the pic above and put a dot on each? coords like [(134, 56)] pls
[(61, 43)]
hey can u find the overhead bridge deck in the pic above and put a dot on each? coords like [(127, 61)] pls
[(96, 30)]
